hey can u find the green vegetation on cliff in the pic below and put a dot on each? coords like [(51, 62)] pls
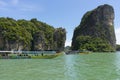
[(29, 35), (118, 47), (92, 44)]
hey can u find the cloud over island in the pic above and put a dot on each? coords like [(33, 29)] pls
[(117, 32)]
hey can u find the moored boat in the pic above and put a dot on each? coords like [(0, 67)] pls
[(30, 55)]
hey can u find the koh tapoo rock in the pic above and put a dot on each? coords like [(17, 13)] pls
[(30, 35), (96, 30)]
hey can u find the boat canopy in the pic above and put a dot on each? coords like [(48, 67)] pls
[(29, 52)]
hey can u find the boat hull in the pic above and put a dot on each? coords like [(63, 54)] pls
[(31, 56)]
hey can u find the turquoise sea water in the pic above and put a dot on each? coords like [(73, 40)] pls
[(95, 66)]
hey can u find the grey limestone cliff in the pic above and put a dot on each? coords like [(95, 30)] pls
[(97, 24)]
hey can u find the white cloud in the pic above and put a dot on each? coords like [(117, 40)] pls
[(27, 8), (2, 3), (30, 7), (68, 43), (117, 32), (12, 5), (14, 2)]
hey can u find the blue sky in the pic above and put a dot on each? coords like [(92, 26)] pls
[(58, 13)]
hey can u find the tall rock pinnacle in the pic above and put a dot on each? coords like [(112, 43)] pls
[(96, 30)]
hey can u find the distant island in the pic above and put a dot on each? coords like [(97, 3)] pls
[(96, 31), (30, 35)]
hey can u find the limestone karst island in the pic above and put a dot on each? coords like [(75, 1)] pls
[(94, 33), (30, 35), (96, 30), (59, 40)]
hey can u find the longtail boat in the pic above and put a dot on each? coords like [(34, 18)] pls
[(29, 54)]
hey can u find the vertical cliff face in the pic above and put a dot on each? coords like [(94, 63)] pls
[(48, 38), (1, 40), (39, 41), (96, 24), (59, 38), (57, 41)]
